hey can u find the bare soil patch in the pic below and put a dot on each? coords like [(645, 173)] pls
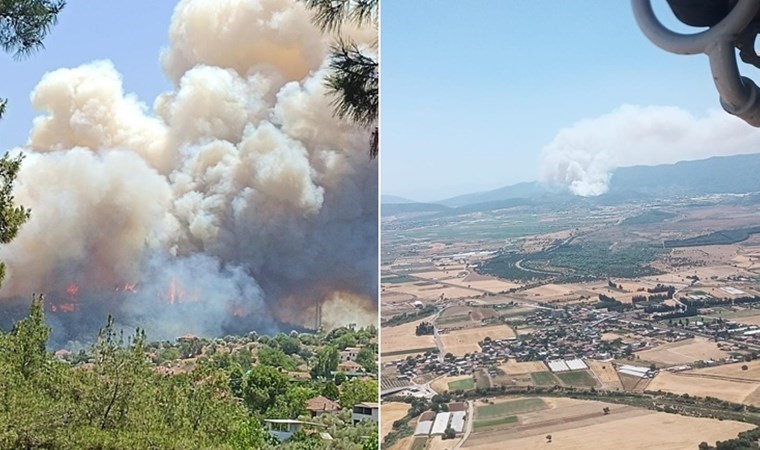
[(403, 337), (390, 412), (683, 352), (577, 424), (606, 374), (513, 367), (459, 342), (694, 384)]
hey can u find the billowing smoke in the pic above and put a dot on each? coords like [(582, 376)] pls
[(237, 202), (583, 156)]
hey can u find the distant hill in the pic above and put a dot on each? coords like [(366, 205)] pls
[(717, 175), (394, 209), (530, 189), (387, 198)]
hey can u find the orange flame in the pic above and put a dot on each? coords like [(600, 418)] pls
[(176, 294), (72, 289)]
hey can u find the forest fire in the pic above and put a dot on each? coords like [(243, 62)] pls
[(72, 289)]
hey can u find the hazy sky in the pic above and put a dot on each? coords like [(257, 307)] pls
[(129, 33), (472, 92)]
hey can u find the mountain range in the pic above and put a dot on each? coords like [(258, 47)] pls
[(716, 175)]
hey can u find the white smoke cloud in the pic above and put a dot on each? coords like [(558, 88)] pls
[(583, 156), (239, 189)]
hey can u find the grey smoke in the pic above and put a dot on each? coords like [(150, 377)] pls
[(239, 185), (583, 156)]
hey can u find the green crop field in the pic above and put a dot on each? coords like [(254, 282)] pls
[(543, 378), (525, 405), (465, 385), (480, 424), (580, 378), (397, 279)]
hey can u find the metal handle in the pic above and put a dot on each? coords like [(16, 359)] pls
[(738, 94)]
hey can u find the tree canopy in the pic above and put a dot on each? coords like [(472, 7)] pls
[(355, 75)]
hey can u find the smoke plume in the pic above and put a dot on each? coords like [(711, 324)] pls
[(236, 202), (583, 156)]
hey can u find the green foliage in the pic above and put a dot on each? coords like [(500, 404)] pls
[(367, 357), (117, 400), (262, 385), (424, 328), (24, 24), (330, 390), (355, 77), (327, 362), (289, 344), (275, 357), (358, 390), (11, 216)]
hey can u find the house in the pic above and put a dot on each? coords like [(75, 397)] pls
[(365, 411), (349, 354), (349, 366), (321, 405), (284, 429)]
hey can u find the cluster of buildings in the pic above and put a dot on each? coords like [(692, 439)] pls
[(284, 429), (436, 424)]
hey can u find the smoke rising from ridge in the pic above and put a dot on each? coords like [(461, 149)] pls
[(238, 201), (583, 156)]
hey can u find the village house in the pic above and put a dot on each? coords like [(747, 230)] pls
[(349, 354), (321, 405), (365, 411)]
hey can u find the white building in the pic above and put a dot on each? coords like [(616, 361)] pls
[(284, 429), (365, 411)]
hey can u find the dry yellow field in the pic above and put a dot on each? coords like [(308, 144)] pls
[(683, 352), (401, 444), (432, 290), (750, 320), (734, 371), (485, 283), (724, 389), (390, 412), (577, 424), (611, 336), (459, 342), (402, 337), (606, 374), (549, 291), (513, 367)]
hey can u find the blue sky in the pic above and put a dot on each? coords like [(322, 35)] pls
[(473, 91), (129, 33)]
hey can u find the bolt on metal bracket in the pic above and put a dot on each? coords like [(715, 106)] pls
[(738, 95)]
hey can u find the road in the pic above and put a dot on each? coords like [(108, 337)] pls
[(467, 425)]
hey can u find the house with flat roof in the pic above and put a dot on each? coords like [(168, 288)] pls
[(284, 429), (365, 411)]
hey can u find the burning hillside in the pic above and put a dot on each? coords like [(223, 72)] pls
[(237, 202)]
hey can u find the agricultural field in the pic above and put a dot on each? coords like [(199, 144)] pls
[(577, 378), (512, 367), (401, 340), (444, 384), (579, 424), (732, 390), (460, 342), (683, 352), (606, 374), (392, 411), (533, 261), (505, 412), (543, 378)]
